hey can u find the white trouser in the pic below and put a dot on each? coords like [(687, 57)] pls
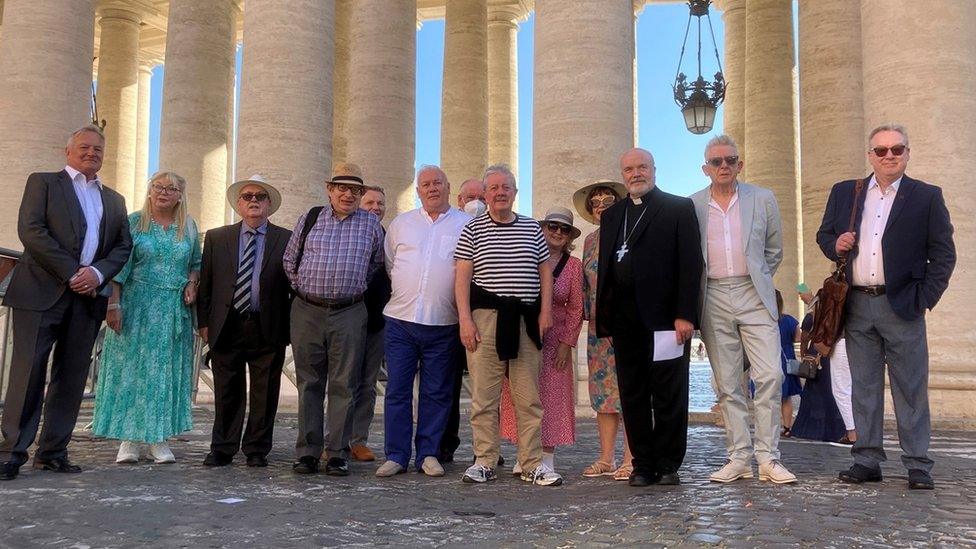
[(840, 382)]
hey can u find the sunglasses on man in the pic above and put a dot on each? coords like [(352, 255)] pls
[(882, 152), (717, 161), (248, 197)]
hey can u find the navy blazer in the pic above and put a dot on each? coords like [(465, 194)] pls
[(919, 253)]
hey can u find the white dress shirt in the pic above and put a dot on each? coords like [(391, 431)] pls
[(89, 195), (420, 260), (868, 267), (726, 255)]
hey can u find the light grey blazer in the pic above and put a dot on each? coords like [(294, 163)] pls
[(762, 237)]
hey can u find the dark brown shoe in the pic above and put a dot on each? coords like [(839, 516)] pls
[(56, 465)]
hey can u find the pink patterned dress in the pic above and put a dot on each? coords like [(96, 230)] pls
[(557, 388), (604, 396)]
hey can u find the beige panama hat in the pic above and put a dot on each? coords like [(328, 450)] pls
[(347, 173), (579, 197), (235, 190), (558, 214)]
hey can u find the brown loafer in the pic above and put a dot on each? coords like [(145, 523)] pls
[(360, 452)]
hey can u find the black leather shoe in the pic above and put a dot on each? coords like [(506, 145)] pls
[(9, 470), (858, 474), (257, 460), (306, 465), (642, 478), (337, 467), (920, 480), (446, 457), (669, 479), (217, 459), (56, 465)]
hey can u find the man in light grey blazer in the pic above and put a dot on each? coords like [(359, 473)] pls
[(742, 243)]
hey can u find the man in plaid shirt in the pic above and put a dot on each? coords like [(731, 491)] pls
[(329, 272)]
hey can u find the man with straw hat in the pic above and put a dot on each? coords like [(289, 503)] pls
[(242, 313)]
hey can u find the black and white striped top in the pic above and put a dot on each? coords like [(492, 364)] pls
[(505, 256)]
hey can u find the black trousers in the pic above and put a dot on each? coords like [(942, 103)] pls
[(654, 400), (241, 346), (70, 329), (450, 441)]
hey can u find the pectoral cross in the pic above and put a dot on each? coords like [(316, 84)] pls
[(621, 252)]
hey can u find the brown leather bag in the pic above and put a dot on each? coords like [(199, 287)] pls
[(828, 317)]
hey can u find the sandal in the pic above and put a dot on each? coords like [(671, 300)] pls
[(624, 472), (599, 469), (786, 433)]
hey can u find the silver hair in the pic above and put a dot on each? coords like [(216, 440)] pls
[(89, 128), (428, 167), (721, 141), (472, 180), (500, 169), (889, 127)]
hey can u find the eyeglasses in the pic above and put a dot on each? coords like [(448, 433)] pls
[(882, 152), (556, 227), (164, 189), (247, 197), (717, 161), (605, 201), (356, 190)]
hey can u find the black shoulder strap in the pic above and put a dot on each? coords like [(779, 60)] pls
[(310, 219), (560, 265)]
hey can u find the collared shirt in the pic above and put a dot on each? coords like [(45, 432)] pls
[(340, 254), (726, 255), (868, 267), (420, 260), (260, 234), (89, 195)]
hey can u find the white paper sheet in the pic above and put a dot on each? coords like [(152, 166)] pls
[(666, 346)]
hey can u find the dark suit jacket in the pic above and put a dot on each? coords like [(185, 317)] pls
[(667, 262), (919, 254), (221, 248), (51, 226)]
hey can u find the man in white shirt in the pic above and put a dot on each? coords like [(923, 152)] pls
[(421, 324)]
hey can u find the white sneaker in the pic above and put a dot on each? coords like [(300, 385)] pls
[(773, 471), (479, 474), (543, 476), (161, 453), (431, 467), (128, 452), (517, 469), (731, 471), (389, 469)]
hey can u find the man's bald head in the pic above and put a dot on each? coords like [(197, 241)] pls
[(637, 169)]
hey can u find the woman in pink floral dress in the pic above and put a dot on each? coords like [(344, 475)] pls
[(557, 376)]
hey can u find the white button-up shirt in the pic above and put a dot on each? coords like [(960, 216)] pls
[(89, 195), (868, 267), (726, 255), (420, 260)]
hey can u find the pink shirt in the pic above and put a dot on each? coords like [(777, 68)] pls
[(868, 267), (726, 255)]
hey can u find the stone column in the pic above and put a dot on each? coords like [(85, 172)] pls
[(503, 141), (381, 108), (118, 97), (142, 134), (832, 120), (195, 136), (45, 67), (340, 80), (464, 105), (770, 151), (285, 126), (734, 67), (929, 89), (584, 97)]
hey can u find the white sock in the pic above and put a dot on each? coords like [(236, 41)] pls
[(548, 459)]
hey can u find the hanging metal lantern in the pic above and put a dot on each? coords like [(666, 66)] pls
[(699, 99)]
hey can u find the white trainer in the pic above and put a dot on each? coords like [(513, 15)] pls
[(431, 467), (128, 452), (479, 474), (774, 471), (731, 472), (542, 476), (389, 469), (161, 453), (517, 469)]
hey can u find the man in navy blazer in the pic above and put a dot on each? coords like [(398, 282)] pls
[(900, 258)]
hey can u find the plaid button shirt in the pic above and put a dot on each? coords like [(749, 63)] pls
[(340, 255)]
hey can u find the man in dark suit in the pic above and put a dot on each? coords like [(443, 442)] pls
[(76, 238), (648, 285), (242, 312), (900, 256)]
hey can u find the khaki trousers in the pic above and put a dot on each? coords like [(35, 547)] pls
[(487, 373)]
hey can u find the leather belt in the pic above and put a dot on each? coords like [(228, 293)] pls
[(330, 304), (870, 290)]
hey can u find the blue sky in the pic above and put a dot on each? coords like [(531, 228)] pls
[(660, 29)]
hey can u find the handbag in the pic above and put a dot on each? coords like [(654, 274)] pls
[(792, 365)]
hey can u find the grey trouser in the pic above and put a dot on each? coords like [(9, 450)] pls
[(876, 335), (364, 395), (735, 319), (328, 346)]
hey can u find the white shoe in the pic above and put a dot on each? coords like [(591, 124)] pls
[(161, 453), (773, 471), (390, 468), (431, 467), (517, 469), (128, 452), (479, 474), (731, 471), (542, 476)]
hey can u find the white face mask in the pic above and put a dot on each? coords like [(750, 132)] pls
[(475, 208)]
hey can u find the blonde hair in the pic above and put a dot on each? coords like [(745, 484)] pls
[(180, 216)]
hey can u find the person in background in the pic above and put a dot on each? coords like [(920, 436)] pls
[(789, 332)]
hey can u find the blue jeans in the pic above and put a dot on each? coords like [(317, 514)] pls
[(432, 349)]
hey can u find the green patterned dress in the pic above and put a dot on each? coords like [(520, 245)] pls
[(146, 373)]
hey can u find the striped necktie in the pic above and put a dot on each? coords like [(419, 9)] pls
[(242, 289)]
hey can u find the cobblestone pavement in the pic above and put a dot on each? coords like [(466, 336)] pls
[(179, 505)]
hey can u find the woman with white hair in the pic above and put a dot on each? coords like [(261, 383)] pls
[(145, 380)]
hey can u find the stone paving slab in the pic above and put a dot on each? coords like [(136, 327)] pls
[(111, 505)]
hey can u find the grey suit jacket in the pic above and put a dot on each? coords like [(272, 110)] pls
[(51, 226), (762, 237)]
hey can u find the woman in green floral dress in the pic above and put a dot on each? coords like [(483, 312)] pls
[(145, 379)]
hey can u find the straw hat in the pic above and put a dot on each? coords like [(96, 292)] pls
[(579, 197), (235, 190), (558, 214), (347, 173)]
